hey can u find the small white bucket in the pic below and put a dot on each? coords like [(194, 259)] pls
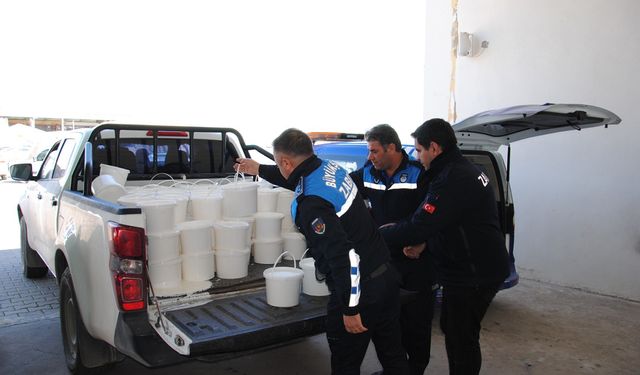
[(107, 188), (288, 225), (285, 197), (267, 251), (250, 220), (231, 235), (283, 284), (199, 266), (206, 206), (119, 174), (159, 215), (195, 236), (239, 199), (182, 202), (267, 199), (310, 285), (232, 264), (268, 225), (295, 244), (163, 246), (166, 274)]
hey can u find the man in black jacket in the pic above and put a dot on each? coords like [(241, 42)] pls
[(347, 249), (458, 219), (394, 185)]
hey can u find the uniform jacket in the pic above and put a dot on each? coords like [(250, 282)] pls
[(459, 220), (330, 212), (393, 199)]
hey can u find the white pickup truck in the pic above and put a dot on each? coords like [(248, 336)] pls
[(97, 251)]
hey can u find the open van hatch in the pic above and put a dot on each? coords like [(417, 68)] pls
[(236, 321)]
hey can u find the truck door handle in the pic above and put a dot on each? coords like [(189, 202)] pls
[(39, 196), (54, 201)]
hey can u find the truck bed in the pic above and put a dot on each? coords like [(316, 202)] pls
[(243, 320)]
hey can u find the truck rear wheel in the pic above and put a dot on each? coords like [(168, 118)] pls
[(77, 342), (32, 265)]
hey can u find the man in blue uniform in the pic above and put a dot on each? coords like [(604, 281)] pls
[(394, 185), (348, 250), (458, 219)]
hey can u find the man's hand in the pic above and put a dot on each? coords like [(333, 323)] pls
[(414, 251), (353, 323), (248, 166)]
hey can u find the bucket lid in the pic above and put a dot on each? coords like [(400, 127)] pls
[(283, 273), (237, 253), (195, 224), (165, 234), (228, 224), (157, 203), (240, 185)]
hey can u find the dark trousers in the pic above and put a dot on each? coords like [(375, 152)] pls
[(379, 311), (462, 311), (415, 319)]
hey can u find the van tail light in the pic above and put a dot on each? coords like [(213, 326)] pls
[(128, 250)]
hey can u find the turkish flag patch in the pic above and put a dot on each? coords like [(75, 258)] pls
[(429, 208)]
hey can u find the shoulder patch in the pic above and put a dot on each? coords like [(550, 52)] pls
[(318, 226)]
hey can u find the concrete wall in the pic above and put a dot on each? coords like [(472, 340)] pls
[(577, 194)]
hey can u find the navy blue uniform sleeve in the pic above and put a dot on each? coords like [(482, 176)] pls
[(272, 174), (323, 230), (441, 207), (358, 178)]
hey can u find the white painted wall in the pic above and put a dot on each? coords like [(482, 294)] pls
[(577, 194)]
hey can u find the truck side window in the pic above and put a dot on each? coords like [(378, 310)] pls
[(64, 158), (49, 163)]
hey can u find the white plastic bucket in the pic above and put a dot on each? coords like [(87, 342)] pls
[(166, 274), (107, 188), (163, 246), (159, 215), (239, 199), (206, 206), (119, 174), (310, 285), (195, 236), (283, 284), (268, 225), (199, 266), (180, 197), (250, 220), (285, 197), (231, 235), (295, 244), (267, 251), (232, 264), (267, 199)]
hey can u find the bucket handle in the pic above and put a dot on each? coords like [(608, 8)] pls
[(179, 183), (235, 178), (205, 180), (161, 174), (280, 258)]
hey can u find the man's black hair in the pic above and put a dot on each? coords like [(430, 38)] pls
[(293, 142), (438, 131), (385, 135)]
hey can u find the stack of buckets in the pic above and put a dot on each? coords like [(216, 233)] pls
[(196, 232)]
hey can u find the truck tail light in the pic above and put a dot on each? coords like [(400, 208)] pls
[(128, 250)]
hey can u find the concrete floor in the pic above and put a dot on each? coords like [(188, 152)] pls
[(534, 328)]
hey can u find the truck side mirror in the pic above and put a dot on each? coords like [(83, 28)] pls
[(21, 172)]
